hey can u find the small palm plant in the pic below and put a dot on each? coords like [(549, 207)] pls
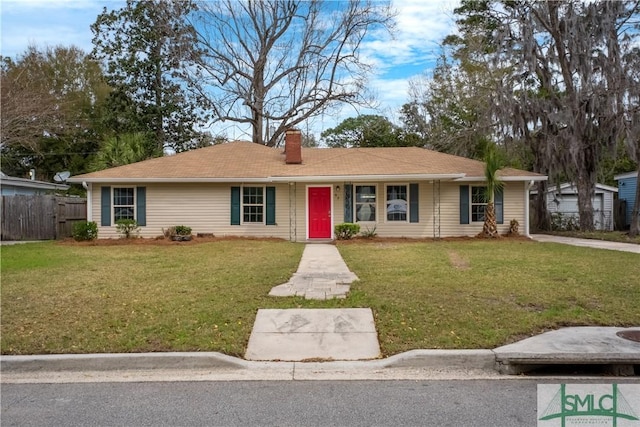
[(493, 163)]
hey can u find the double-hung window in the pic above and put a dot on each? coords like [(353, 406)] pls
[(253, 204), (479, 200), (396, 202), (123, 203), (365, 203)]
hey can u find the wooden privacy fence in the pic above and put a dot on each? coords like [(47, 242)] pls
[(40, 217)]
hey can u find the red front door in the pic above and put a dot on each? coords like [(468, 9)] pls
[(319, 212)]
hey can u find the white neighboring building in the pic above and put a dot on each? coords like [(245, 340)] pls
[(564, 199)]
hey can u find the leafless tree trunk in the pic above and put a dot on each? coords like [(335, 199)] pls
[(282, 61)]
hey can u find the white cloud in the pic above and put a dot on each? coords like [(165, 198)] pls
[(420, 28), (410, 51)]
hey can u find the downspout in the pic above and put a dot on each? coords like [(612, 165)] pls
[(89, 188), (526, 206)]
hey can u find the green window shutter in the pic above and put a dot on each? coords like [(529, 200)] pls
[(235, 205), (414, 203), (348, 203), (105, 207), (464, 204), (141, 206), (498, 202), (271, 206)]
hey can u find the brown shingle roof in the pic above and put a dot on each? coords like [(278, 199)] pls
[(246, 160)]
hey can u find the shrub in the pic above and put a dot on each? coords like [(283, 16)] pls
[(369, 233), (84, 230), (169, 232), (127, 227), (514, 227), (560, 222), (347, 230), (177, 233), (182, 230)]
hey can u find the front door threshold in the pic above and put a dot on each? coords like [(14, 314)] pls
[(319, 240)]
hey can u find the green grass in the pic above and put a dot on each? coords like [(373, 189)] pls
[(204, 297), (482, 294)]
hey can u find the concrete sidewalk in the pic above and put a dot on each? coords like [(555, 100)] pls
[(322, 274), (313, 334), (589, 243)]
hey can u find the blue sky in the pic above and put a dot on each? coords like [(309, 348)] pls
[(421, 25)]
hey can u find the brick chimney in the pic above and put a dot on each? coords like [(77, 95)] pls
[(293, 147)]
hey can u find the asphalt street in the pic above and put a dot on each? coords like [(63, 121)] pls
[(277, 403)]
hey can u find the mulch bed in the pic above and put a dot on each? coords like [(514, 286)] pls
[(160, 241)]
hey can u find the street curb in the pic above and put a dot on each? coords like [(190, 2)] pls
[(119, 362), (427, 359), (456, 359)]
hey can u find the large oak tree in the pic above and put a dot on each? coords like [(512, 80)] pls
[(270, 65), (566, 90)]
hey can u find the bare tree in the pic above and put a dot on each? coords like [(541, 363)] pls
[(272, 64)]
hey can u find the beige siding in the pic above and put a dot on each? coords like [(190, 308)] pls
[(206, 209), (514, 199), (203, 207)]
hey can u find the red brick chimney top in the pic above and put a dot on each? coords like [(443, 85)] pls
[(293, 147)]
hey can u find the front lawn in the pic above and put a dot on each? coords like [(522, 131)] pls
[(59, 298)]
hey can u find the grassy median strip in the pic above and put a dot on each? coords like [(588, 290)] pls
[(59, 298)]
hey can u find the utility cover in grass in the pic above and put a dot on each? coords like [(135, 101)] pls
[(313, 334)]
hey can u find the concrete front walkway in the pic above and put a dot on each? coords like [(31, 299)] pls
[(588, 243), (313, 334), (322, 274)]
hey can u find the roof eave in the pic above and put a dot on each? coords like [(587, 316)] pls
[(367, 178), (80, 180), (626, 175), (318, 178), (28, 183), (506, 178)]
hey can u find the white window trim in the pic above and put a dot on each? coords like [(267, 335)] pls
[(471, 204), (386, 219), (355, 193), (113, 203), (264, 205)]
